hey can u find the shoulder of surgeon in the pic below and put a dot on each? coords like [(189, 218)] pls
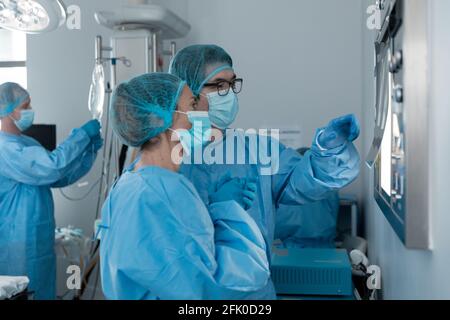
[(152, 191), (13, 145), (266, 140), (11, 140), (165, 185)]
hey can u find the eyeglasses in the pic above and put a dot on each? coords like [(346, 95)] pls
[(223, 87)]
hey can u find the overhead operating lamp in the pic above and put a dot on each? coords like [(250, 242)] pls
[(32, 16)]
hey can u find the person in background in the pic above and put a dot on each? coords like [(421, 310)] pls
[(27, 173), (158, 238), (332, 163), (312, 225)]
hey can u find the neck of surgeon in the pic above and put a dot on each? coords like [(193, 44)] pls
[(8, 126), (157, 152)]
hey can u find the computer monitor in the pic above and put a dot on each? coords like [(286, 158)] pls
[(45, 134)]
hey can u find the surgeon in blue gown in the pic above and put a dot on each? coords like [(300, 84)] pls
[(332, 163), (27, 174), (311, 225), (158, 238)]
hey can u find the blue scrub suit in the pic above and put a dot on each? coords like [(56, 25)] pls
[(160, 241), (299, 180), (27, 222), (311, 225)]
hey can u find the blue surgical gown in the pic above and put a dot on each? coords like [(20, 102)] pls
[(27, 223), (312, 225), (296, 179), (160, 241)]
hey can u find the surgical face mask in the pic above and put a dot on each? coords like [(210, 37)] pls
[(199, 134), (25, 121), (222, 109)]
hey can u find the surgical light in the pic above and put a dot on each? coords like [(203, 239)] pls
[(32, 16)]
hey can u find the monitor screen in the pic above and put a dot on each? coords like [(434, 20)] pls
[(45, 134)]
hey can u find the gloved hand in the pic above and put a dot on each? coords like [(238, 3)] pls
[(339, 131), (243, 191), (92, 128), (97, 142)]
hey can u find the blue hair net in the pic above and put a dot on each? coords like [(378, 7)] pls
[(142, 108), (12, 96), (197, 64)]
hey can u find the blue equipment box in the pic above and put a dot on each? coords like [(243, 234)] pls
[(314, 272)]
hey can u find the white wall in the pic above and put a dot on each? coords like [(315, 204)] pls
[(412, 274)]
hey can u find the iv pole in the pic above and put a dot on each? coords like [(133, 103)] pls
[(109, 138), (111, 142)]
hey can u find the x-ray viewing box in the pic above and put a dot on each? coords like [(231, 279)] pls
[(399, 152)]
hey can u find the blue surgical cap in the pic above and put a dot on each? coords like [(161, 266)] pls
[(12, 96), (143, 108), (197, 64)]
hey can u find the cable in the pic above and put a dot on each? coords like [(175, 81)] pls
[(104, 181), (97, 276), (108, 164), (84, 196), (70, 179), (103, 167), (87, 274), (99, 199)]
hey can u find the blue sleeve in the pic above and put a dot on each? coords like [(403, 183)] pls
[(310, 178), (183, 255), (238, 242), (34, 165), (80, 169)]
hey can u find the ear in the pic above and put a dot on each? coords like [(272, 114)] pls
[(202, 103), (16, 114), (156, 140), (150, 143)]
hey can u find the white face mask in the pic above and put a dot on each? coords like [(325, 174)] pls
[(26, 120), (198, 135), (222, 109)]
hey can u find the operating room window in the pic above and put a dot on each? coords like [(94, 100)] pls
[(13, 54)]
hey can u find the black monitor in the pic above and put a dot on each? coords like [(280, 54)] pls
[(45, 134)]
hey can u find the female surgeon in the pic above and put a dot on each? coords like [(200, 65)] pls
[(27, 174), (158, 239)]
